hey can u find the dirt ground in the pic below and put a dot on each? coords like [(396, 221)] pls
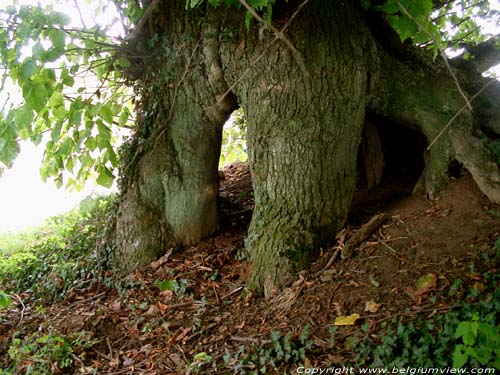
[(141, 330)]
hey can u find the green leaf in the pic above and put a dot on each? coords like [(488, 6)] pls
[(57, 99), (5, 300), (164, 285), (102, 142), (56, 131), (459, 357), (466, 332), (9, 151), (123, 62), (28, 68), (105, 177), (57, 37), (23, 117), (106, 113), (36, 95), (124, 117)]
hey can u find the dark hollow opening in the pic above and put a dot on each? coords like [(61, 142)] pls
[(391, 172)]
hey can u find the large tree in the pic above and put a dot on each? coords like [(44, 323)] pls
[(307, 74)]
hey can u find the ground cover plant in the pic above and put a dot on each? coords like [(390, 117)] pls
[(188, 313)]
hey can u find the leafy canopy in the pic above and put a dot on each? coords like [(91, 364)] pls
[(65, 85)]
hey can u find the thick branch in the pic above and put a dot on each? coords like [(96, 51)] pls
[(485, 55)]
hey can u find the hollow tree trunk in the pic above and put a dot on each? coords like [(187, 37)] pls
[(170, 172), (304, 128)]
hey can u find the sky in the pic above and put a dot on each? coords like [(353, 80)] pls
[(25, 200)]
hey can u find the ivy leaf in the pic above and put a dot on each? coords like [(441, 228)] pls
[(459, 357)]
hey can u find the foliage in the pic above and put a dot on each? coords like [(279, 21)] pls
[(278, 352), (63, 254), (467, 336), (43, 354), (71, 86), (234, 139)]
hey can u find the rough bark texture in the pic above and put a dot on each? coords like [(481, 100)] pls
[(304, 131), (304, 128), (170, 195)]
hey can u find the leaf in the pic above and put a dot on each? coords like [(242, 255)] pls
[(466, 331), (426, 283), (36, 95), (123, 62), (9, 151), (5, 300), (105, 177), (164, 285), (23, 117), (459, 357), (346, 320), (28, 68), (372, 306), (106, 113), (57, 37)]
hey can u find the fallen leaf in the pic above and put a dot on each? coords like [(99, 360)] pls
[(374, 282), (426, 283), (152, 311), (346, 320), (372, 306), (116, 305)]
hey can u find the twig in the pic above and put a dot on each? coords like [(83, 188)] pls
[(216, 295), (280, 35), (232, 292), (80, 14), (458, 113), (363, 233), (257, 59), (144, 18), (22, 310), (86, 300), (109, 347), (387, 246), (209, 327)]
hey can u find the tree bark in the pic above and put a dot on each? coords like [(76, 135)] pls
[(304, 130), (170, 175), (305, 116)]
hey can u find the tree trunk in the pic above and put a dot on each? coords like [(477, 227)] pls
[(305, 108), (170, 174), (304, 130)]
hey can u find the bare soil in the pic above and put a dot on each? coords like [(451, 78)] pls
[(141, 330)]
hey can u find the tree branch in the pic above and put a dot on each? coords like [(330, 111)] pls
[(485, 55)]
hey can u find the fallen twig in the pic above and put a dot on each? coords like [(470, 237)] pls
[(362, 234)]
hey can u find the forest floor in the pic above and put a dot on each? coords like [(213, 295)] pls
[(188, 312)]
